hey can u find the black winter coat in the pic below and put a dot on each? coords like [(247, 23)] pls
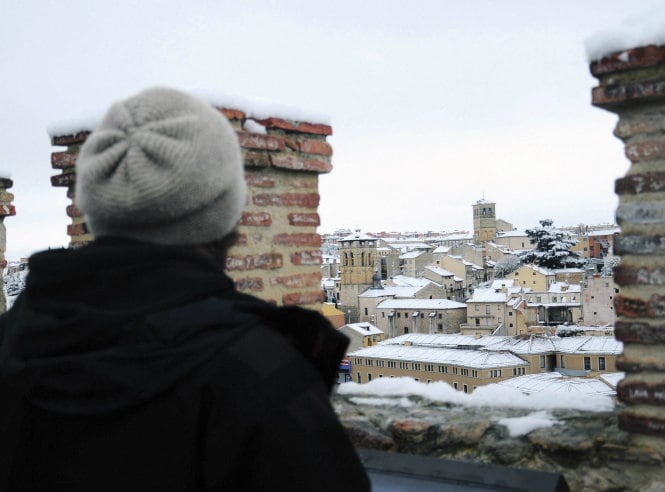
[(128, 366)]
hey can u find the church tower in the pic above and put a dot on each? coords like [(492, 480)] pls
[(358, 256), (484, 221)]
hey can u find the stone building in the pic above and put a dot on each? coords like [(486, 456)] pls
[(484, 221), (401, 316), (598, 295), (359, 265)]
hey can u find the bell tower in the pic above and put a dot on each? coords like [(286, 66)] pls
[(484, 221), (358, 257)]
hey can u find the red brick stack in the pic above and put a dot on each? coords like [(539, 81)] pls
[(278, 255), (632, 84)]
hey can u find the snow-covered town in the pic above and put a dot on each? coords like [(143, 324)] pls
[(476, 308)]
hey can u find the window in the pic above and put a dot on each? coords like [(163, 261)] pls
[(455, 385), (466, 388), (439, 326), (440, 316), (563, 362), (399, 315), (369, 362), (601, 363), (465, 372), (542, 361), (365, 311), (369, 377), (443, 369), (538, 299), (488, 309), (510, 313), (477, 321), (429, 381), (474, 373), (454, 370), (359, 378), (406, 330), (587, 363), (383, 314)]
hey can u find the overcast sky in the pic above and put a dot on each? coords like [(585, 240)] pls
[(433, 103)]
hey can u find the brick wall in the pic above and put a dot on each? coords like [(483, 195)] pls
[(277, 257), (6, 210), (632, 85)]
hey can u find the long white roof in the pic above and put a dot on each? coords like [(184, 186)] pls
[(392, 291), (553, 382), (590, 345), (423, 304), (439, 271), (480, 359)]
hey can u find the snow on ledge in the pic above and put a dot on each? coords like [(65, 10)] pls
[(255, 108), (636, 31), (492, 395)]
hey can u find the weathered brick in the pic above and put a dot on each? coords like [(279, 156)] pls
[(634, 307), (300, 163), (304, 200), (277, 123), (651, 122), (639, 245), (253, 284), (641, 213), (259, 181), (640, 183), (7, 210), (256, 159), (6, 183), (645, 150), (241, 240), (65, 179), (70, 191), (298, 239), (314, 128), (76, 138), (641, 392), (307, 257), (6, 197), (63, 160), (267, 261), (633, 365), (629, 59), (77, 229), (73, 211), (641, 424), (260, 142), (299, 298), (298, 281), (267, 199), (310, 146), (304, 219), (611, 96), (644, 275), (260, 219), (639, 332), (232, 114)]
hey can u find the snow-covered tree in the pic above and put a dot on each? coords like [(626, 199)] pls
[(506, 265), (552, 248)]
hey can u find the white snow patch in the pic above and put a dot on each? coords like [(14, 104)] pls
[(491, 395), (387, 402), (638, 30), (252, 126), (519, 426), (255, 108)]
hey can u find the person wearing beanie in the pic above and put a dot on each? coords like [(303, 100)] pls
[(132, 363)]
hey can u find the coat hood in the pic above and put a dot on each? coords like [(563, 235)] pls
[(112, 324)]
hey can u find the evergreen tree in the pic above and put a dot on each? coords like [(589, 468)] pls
[(552, 248)]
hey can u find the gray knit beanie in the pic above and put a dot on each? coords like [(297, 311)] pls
[(162, 167)]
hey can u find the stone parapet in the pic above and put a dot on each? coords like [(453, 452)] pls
[(277, 256), (632, 85)]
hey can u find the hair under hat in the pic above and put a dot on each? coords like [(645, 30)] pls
[(162, 167)]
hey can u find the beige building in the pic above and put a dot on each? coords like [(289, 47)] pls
[(396, 288), (401, 316), (452, 284), (514, 240), (466, 363), (412, 264), (470, 273), (598, 296), (362, 335), (533, 277), (484, 221)]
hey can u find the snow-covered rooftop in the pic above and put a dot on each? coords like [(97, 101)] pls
[(564, 288), (358, 236), (555, 383), (589, 345), (411, 255), (409, 281), (637, 30), (364, 328), (439, 271), (421, 304), (479, 359), (392, 291), (488, 295), (514, 233)]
